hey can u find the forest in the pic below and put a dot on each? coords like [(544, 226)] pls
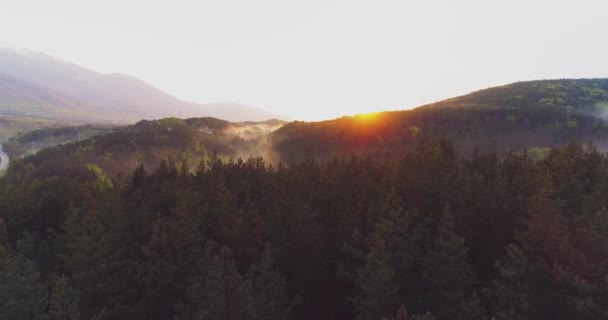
[(425, 234)]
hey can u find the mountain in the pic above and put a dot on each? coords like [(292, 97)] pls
[(38, 85), (22, 98)]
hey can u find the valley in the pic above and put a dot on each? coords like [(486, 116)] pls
[(441, 211)]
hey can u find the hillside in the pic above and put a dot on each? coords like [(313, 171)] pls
[(11, 125), (24, 99), (513, 117), (35, 140), (122, 149), (583, 95), (36, 85)]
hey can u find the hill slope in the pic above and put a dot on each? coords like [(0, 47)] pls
[(584, 95), (516, 116), (122, 149), (22, 98)]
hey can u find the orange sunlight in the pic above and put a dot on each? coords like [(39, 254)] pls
[(366, 118)]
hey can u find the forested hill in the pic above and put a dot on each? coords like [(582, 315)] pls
[(575, 94), (527, 115), (146, 143), (36, 140), (522, 115)]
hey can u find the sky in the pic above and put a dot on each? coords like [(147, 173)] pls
[(319, 59)]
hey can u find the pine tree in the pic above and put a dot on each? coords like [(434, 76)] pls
[(140, 177), (230, 222), (265, 292), (184, 172), (378, 295), (388, 273), (544, 274), (23, 294), (402, 233), (84, 248), (156, 274), (64, 302), (222, 294), (446, 272), (510, 291), (472, 309)]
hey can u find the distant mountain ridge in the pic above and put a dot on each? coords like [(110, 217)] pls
[(38, 85)]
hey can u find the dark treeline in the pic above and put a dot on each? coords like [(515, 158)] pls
[(426, 236)]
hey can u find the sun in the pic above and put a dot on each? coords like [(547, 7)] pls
[(365, 118)]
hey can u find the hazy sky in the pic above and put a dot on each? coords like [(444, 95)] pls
[(316, 59)]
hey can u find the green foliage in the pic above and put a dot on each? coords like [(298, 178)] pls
[(103, 182)]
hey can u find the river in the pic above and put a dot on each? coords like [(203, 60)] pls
[(4, 160)]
